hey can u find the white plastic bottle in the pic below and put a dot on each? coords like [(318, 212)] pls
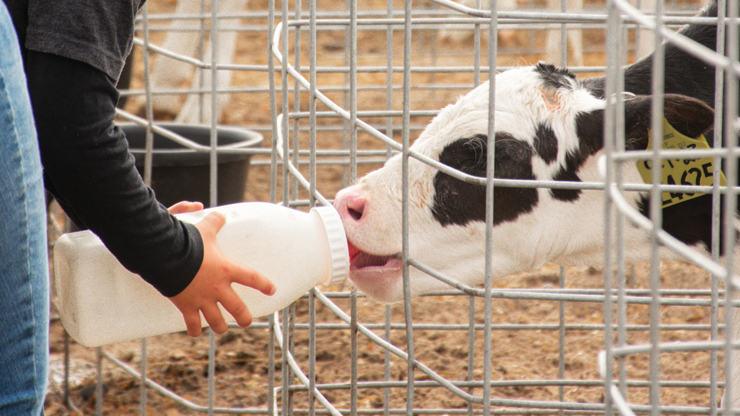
[(100, 302)]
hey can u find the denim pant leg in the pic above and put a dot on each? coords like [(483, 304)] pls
[(24, 270)]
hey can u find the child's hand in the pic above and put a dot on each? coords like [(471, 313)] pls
[(185, 206), (212, 284)]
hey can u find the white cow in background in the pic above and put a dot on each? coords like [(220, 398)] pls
[(168, 73)]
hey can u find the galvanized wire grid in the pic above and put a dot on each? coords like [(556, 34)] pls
[(366, 96)]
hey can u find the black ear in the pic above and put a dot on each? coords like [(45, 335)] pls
[(689, 116)]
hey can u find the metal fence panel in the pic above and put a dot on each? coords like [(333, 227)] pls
[(345, 85)]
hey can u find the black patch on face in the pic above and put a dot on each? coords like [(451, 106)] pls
[(567, 173), (589, 128), (554, 77), (458, 203), (545, 143)]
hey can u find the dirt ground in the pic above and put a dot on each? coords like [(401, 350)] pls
[(179, 363)]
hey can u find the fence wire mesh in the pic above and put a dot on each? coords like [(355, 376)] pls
[(337, 88)]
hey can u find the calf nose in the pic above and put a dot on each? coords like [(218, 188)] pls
[(350, 203)]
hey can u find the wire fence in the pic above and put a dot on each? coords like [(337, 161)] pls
[(337, 88)]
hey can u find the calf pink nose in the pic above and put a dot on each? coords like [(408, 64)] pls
[(350, 203)]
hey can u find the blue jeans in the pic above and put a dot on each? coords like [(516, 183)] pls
[(24, 267)]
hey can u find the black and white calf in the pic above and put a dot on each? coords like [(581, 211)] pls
[(549, 126)]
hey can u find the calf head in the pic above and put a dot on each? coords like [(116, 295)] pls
[(548, 126)]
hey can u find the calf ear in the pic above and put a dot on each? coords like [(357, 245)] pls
[(689, 116)]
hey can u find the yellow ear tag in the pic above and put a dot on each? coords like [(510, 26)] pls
[(697, 172)]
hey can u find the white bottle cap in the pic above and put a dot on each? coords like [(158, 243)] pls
[(338, 247)]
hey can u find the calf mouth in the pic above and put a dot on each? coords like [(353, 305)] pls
[(370, 262), (366, 268)]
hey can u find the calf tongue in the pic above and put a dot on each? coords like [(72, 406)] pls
[(353, 251)]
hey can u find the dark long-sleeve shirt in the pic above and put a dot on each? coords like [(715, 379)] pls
[(74, 51)]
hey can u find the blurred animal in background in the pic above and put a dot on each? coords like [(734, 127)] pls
[(184, 38)]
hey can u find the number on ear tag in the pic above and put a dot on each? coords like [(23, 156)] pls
[(695, 172)]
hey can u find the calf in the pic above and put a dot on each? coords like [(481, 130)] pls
[(549, 126)]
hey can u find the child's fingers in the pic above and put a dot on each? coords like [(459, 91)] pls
[(192, 321), (185, 206), (236, 307), (248, 277), (214, 318)]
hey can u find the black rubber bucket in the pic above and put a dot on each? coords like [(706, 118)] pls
[(182, 174)]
